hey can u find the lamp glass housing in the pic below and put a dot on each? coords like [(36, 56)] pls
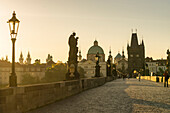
[(13, 26), (96, 58)]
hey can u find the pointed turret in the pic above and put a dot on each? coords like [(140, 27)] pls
[(134, 40), (21, 59), (28, 60), (110, 52), (142, 43), (49, 58), (6, 58), (123, 55)]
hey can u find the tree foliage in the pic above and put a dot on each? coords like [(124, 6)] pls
[(55, 73), (28, 79)]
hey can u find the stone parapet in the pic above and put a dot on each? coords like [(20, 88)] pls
[(24, 98), (153, 78)]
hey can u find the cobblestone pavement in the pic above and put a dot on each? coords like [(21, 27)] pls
[(129, 96)]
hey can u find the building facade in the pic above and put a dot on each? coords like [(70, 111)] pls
[(156, 67), (21, 70)]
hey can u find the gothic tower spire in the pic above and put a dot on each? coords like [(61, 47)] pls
[(21, 59), (123, 55), (134, 40), (28, 60)]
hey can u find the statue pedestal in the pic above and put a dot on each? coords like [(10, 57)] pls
[(97, 74), (70, 77)]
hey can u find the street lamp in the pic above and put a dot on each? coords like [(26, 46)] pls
[(109, 66), (156, 67), (97, 57), (13, 26)]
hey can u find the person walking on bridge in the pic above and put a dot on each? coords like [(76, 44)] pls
[(139, 75), (166, 75)]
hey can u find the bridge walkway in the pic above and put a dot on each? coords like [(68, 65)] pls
[(118, 96)]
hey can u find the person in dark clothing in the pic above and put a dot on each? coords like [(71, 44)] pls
[(124, 76), (166, 75)]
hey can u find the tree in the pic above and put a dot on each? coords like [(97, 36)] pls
[(28, 79), (161, 71), (55, 73)]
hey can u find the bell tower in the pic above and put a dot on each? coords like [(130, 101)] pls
[(136, 55)]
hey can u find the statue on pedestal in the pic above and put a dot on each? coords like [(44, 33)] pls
[(72, 59)]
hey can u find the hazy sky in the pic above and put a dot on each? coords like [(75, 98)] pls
[(46, 25)]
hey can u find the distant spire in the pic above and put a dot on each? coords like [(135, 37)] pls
[(6, 58), (123, 56), (142, 42), (21, 59), (28, 60), (110, 50), (28, 54)]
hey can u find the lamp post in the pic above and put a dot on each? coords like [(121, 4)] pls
[(114, 71), (109, 65), (146, 70), (168, 61), (13, 26), (97, 71), (156, 67), (157, 78)]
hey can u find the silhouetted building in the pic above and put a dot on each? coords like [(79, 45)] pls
[(37, 61), (49, 60), (136, 55)]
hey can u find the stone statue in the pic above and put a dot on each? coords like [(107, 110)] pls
[(72, 59)]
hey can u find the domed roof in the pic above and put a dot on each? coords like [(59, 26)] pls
[(118, 56), (95, 48)]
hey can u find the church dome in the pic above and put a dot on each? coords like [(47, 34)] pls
[(95, 48)]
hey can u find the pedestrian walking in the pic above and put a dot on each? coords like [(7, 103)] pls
[(166, 75), (139, 75)]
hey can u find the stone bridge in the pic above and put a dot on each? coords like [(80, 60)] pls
[(117, 96)]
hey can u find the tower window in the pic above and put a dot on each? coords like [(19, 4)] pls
[(137, 55), (131, 55)]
